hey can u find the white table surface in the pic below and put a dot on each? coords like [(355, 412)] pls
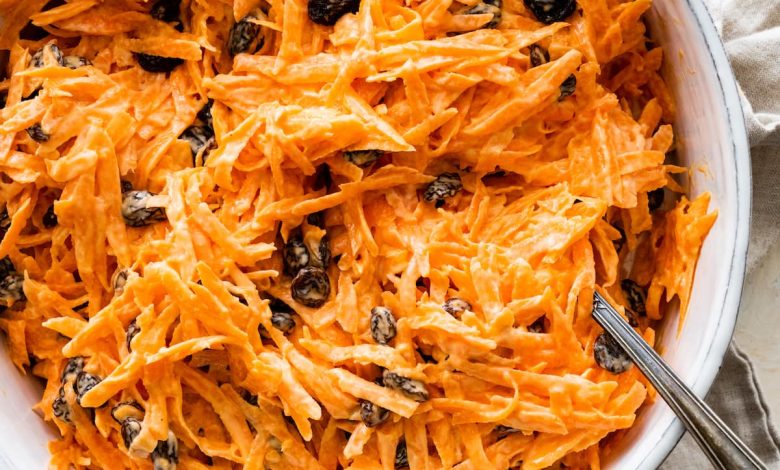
[(758, 326)]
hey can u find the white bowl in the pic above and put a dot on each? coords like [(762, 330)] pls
[(711, 136)]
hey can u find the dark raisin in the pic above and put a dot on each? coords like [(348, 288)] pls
[(37, 133), (609, 355), (127, 410), (49, 218), (371, 414), (537, 326), (166, 455), (165, 10), (503, 431), (135, 210), (568, 87), (205, 114), (538, 55), (282, 321), (75, 61), (132, 330), (157, 64), (445, 185), (620, 242), (655, 199), (296, 255), (11, 284), (84, 383), (322, 178), (401, 457), (635, 296), (320, 255), (198, 137), (311, 287), (125, 186), (487, 7), (362, 158), (119, 280), (383, 327), (316, 219), (38, 59), (456, 306), (412, 388), (246, 36), (72, 369), (328, 12), (60, 407), (130, 429), (551, 11)]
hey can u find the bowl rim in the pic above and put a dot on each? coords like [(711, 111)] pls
[(740, 150)]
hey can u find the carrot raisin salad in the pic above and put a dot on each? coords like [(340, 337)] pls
[(336, 234)]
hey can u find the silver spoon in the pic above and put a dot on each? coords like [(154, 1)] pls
[(724, 449)]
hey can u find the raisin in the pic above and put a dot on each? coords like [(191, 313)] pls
[(456, 306), (125, 186), (132, 330), (126, 410), (198, 137), (372, 415), (38, 58), (37, 133), (72, 369), (319, 256), (401, 456), (362, 158), (383, 327), (568, 87), (282, 321), (135, 210), (537, 326), (327, 12), (60, 407), (487, 7), (165, 10), (538, 55), (157, 64), (75, 61), (166, 455), (296, 255), (119, 280), (49, 219), (609, 355), (444, 186), (412, 388), (635, 296), (655, 199), (311, 287), (551, 11), (84, 383), (246, 36), (205, 114), (130, 429), (11, 283)]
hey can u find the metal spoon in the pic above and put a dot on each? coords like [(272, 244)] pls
[(724, 449)]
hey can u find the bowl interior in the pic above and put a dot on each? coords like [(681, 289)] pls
[(711, 141)]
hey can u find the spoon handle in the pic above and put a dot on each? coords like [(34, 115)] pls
[(724, 449)]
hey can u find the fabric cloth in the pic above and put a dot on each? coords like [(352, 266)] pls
[(736, 398), (751, 33)]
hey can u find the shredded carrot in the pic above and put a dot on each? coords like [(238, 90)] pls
[(474, 176)]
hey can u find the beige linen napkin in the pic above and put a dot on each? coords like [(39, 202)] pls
[(751, 32)]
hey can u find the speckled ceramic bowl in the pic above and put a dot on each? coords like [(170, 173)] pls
[(711, 137)]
